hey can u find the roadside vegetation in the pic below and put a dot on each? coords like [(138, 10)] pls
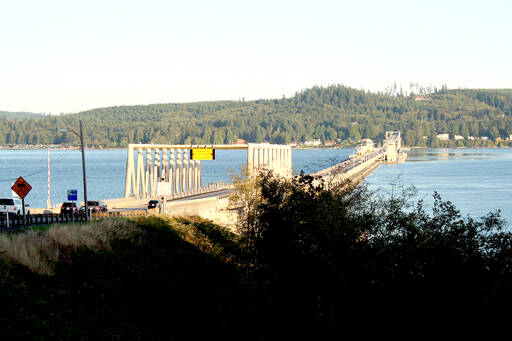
[(309, 260)]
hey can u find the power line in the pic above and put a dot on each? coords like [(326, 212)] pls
[(60, 158)]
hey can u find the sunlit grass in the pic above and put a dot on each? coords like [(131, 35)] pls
[(41, 250)]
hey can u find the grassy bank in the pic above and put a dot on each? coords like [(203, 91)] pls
[(310, 261), (119, 278)]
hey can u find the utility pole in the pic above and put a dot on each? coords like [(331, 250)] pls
[(81, 136), (83, 172)]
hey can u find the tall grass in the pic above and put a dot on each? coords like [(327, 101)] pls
[(40, 251)]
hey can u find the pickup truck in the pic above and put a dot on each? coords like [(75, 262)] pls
[(12, 206)]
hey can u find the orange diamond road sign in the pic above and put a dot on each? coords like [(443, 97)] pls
[(21, 187)]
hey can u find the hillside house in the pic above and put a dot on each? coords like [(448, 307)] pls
[(313, 143), (443, 137)]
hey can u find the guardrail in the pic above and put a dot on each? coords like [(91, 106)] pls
[(16, 221)]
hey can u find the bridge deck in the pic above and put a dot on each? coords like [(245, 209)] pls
[(350, 166)]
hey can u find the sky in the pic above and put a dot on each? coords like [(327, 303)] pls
[(71, 55)]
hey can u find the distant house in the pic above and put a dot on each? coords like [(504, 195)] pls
[(330, 143), (420, 98), (509, 138), (443, 137), (471, 138), (239, 141), (313, 143), (484, 138), (459, 137)]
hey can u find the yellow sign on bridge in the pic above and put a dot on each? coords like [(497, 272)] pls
[(202, 154)]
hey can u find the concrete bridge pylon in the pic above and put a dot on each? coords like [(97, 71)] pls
[(392, 147), (275, 157)]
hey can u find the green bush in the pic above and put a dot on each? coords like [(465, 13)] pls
[(339, 260)]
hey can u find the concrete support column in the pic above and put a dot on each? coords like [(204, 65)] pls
[(153, 171), (129, 181), (179, 172), (265, 157), (256, 160), (172, 172), (261, 162), (147, 176), (192, 166), (199, 184), (196, 170), (274, 158), (186, 171), (157, 164), (139, 181), (192, 176), (165, 168), (280, 161), (289, 161), (250, 159)]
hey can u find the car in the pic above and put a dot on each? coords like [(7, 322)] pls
[(12, 206), (153, 203), (95, 206), (68, 208), (18, 204)]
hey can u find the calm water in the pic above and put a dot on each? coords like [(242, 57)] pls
[(476, 180)]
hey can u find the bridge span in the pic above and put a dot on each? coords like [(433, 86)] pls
[(170, 174), (366, 159)]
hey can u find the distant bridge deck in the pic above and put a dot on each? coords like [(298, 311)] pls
[(350, 166)]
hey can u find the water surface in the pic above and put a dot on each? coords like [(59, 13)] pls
[(475, 180)]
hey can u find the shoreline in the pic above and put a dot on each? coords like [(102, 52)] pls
[(53, 147)]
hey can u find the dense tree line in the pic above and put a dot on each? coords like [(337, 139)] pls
[(326, 113), (340, 262)]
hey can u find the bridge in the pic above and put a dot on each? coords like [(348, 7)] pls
[(172, 171), (169, 172), (172, 174)]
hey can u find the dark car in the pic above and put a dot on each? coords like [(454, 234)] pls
[(68, 208), (153, 203), (95, 206)]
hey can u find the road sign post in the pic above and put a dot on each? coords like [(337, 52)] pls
[(21, 188)]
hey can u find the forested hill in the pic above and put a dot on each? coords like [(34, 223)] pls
[(326, 113), (18, 115)]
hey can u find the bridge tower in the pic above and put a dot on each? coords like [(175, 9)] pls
[(275, 157), (168, 169), (392, 146)]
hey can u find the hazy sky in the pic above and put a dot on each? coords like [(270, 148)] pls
[(71, 55)]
